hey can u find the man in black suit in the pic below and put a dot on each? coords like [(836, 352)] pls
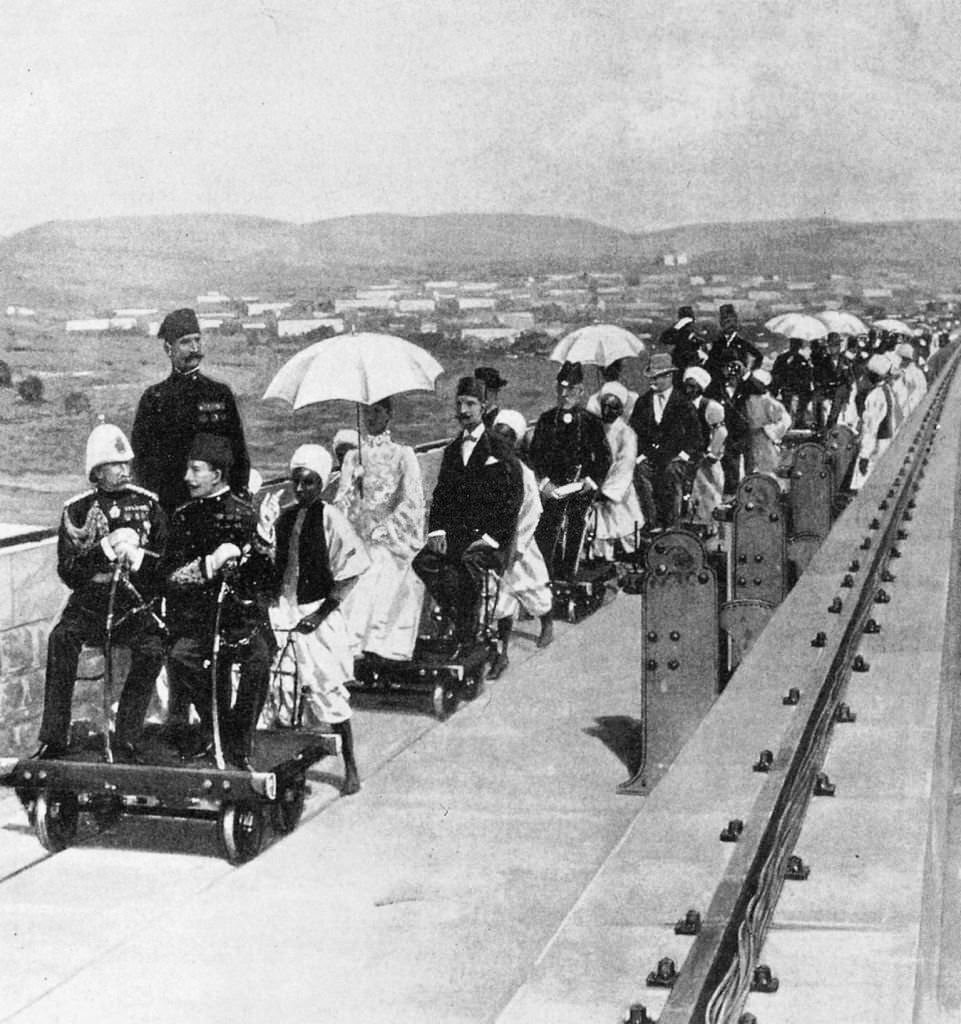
[(668, 436), (570, 455), (473, 514), (688, 346), (730, 341), (729, 391)]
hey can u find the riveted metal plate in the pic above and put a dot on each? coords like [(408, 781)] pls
[(743, 622), (842, 445), (759, 570), (811, 495)]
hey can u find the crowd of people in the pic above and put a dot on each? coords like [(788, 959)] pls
[(341, 573)]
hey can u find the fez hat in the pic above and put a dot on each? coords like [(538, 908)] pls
[(570, 374), (685, 311), (490, 378), (660, 364), (213, 449), (106, 443), (727, 314), (471, 387), (178, 324)]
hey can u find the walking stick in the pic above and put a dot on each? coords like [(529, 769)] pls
[(108, 661), (214, 665)]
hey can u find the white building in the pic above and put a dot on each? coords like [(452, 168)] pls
[(294, 328), (214, 298), (89, 326), (416, 306), (499, 337), (476, 303), (135, 312), (20, 311), (259, 308)]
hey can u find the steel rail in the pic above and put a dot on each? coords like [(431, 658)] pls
[(715, 979)]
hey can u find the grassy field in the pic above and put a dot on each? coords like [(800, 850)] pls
[(42, 448)]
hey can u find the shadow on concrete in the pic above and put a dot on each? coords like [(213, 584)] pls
[(623, 736)]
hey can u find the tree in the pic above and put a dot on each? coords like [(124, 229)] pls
[(30, 389)]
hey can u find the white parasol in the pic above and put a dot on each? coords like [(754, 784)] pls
[(597, 345), (797, 325), (842, 323)]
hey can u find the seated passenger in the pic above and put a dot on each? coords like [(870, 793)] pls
[(318, 558), (381, 494), (525, 582), (619, 516), (473, 515), (768, 421), (570, 456), (115, 527), (213, 540)]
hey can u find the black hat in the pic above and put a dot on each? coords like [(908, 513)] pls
[(727, 314), (472, 387), (685, 311), (178, 324), (570, 374), (213, 449), (491, 379)]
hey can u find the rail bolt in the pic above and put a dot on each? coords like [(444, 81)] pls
[(908, 516), (902, 534), (882, 596), (883, 507), (651, 664), (823, 786), (747, 1018), (675, 635), (872, 626), (912, 503), (894, 553), (665, 975), (690, 924), (764, 980), (859, 664), (734, 829), (820, 639), (835, 606), (844, 714), (637, 1014), (764, 762), (866, 544), (673, 664), (796, 870), (793, 696), (887, 576), (875, 524), (652, 637), (847, 581), (855, 565)]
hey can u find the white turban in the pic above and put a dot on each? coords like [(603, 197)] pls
[(346, 436), (879, 365), (513, 419), (699, 375), (615, 388), (314, 457), (905, 350), (764, 376)]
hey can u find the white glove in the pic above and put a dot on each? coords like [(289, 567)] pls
[(223, 554), (123, 536), (268, 515)]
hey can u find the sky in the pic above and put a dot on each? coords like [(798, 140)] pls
[(638, 114)]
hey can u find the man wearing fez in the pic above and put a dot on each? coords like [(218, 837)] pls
[(730, 341), (668, 439), (214, 539), (473, 514), (173, 412), (114, 527), (493, 382), (570, 456)]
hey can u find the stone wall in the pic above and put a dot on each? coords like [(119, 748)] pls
[(31, 597)]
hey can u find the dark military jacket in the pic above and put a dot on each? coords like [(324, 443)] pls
[(169, 417), (85, 560), (197, 529), (570, 445)]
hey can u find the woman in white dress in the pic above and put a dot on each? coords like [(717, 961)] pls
[(381, 494), (769, 421)]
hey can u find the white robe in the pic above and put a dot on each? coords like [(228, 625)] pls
[(526, 581), (385, 505), (707, 489), (769, 421), (871, 446), (620, 517)]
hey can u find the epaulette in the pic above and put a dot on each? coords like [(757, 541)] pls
[(77, 497), (143, 490), (187, 504), (246, 502)]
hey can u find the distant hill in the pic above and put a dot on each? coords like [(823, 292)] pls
[(86, 265)]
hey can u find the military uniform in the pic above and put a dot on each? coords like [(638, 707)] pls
[(568, 445), (86, 564), (198, 528), (169, 417)]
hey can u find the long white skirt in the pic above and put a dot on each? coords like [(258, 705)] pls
[(322, 661), (383, 608)]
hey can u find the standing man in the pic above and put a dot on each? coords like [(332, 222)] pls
[(668, 439), (570, 456), (493, 382), (730, 342), (687, 345), (473, 515), (173, 412), (213, 540), (114, 530)]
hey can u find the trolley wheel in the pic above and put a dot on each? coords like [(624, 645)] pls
[(286, 813), (241, 830), (474, 682), (107, 812), (55, 819), (443, 699)]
